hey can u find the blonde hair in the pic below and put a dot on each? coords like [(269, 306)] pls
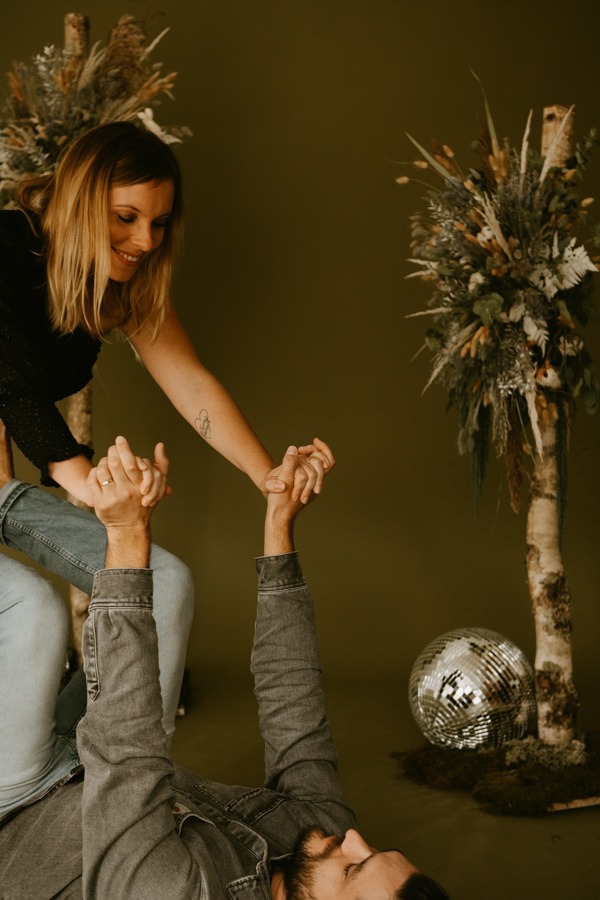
[(73, 208)]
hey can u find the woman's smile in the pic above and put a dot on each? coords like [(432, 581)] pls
[(128, 258), (138, 218)]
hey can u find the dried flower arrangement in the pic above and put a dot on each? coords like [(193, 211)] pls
[(505, 246), (62, 94), (512, 284)]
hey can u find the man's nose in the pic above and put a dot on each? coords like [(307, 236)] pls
[(354, 847)]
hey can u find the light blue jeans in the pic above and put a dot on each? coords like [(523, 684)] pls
[(38, 750)]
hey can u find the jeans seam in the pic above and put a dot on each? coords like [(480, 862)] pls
[(57, 548), (16, 492), (100, 604), (280, 588)]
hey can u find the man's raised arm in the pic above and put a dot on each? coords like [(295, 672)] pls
[(300, 756), (130, 844)]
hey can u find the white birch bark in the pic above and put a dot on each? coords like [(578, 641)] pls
[(7, 470), (79, 406), (551, 602), (79, 420)]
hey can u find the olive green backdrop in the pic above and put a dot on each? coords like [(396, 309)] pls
[(292, 288)]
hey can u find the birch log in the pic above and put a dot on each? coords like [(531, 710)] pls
[(7, 469), (557, 700), (79, 406), (79, 419)]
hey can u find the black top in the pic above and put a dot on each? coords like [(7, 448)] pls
[(38, 366)]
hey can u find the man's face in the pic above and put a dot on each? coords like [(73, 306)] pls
[(325, 867)]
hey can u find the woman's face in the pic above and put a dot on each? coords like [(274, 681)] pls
[(138, 217)]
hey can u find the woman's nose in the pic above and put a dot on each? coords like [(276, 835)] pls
[(143, 238)]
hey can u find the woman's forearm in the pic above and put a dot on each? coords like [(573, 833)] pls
[(72, 475), (201, 398), (216, 417)]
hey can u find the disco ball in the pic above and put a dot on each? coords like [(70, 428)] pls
[(472, 688)]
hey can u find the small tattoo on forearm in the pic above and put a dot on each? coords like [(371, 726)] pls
[(202, 424)]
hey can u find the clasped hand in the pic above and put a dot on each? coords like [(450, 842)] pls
[(315, 461), (124, 487)]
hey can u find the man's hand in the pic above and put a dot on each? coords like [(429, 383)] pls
[(301, 477), (314, 462), (124, 489), (147, 477)]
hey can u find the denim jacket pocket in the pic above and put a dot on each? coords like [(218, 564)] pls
[(250, 887)]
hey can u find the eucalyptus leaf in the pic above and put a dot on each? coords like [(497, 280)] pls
[(488, 307)]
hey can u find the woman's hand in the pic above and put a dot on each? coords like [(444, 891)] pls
[(315, 461)]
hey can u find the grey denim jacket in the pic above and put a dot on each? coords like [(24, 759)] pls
[(153, 830)]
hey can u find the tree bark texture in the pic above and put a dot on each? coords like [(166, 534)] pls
[(551, 602), (557, 701), (79, 406), (76, 42), (553, 119), (7, 469), (79, 419)]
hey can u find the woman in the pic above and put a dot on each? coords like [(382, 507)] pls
[(91, 249)]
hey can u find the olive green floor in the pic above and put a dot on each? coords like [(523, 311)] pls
[(475, 855)]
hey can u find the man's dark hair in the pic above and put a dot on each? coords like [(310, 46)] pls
[(421, 887)]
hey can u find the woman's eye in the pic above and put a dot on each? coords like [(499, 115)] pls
[(126, 220), (162, 224)]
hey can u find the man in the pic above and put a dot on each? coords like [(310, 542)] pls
[(138, 827)]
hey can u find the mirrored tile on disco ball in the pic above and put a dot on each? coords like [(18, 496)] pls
[(472, 688)]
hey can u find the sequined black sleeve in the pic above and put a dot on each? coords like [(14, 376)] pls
[(37, 366)]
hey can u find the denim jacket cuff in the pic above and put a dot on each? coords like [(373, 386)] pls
[(281, 571), (131, 585)]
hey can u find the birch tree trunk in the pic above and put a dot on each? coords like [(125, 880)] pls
[(79, 419), (79, 406), (7, 469), (557, 701), (555, 692)]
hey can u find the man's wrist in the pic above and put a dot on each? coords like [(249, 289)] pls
[(279, 533), (128, 547)]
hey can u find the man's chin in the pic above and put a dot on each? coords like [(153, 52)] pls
[(298, 868)]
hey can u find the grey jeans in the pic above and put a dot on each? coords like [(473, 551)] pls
[(37, 732)]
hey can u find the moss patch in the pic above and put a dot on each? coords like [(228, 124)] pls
[(518, 779)]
